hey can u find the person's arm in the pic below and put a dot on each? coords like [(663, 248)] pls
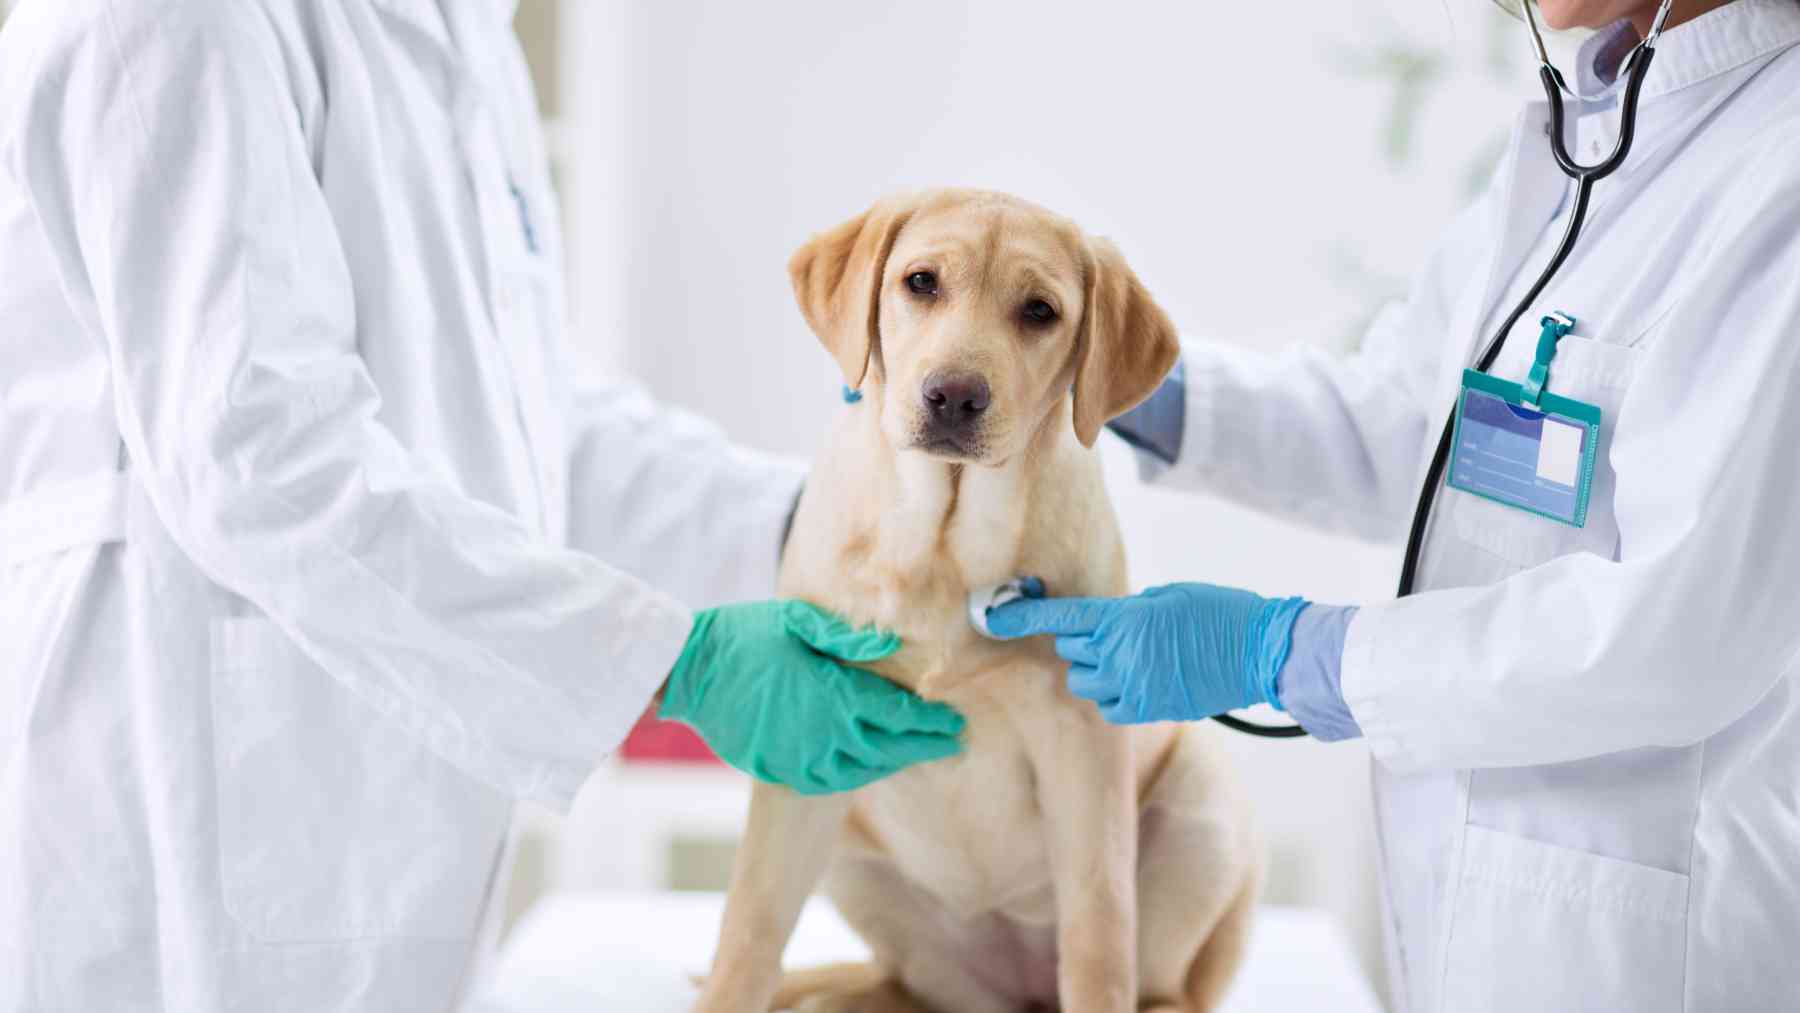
[(165, 159), (1695, 623), (663, 494), (1310, 686), (1330, 441)]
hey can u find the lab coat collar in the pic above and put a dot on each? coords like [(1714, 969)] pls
[(1691, 53), (1714, 43)]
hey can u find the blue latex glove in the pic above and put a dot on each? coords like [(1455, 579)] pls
[(1180, 652)]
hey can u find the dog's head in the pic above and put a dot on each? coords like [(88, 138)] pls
[(973, 314)]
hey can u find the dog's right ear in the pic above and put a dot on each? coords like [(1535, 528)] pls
[(1125, 347), (837, 280)]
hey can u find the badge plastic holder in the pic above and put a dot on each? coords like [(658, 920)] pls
[(1522, 446)]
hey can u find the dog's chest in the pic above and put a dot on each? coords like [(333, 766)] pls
[(949, 530), (968, 830), (912, 570), (903, 554)]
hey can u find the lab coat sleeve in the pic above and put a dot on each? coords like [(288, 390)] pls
[(1330, 441), (1695, 623), (169, 169), (663, 494)]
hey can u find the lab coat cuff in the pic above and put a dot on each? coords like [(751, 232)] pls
[(776, 514), (1195, 380), (1377, 705), (659, 626), (1154, 428), (752, 532)]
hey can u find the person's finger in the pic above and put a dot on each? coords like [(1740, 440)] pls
[(1120, 712), (1078, 649), (828, 633), (892, 707), (891, 751), (849, 772), (1024, 617), (1090, 683), (833, 772)]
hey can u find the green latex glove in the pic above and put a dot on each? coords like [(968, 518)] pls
[(762, 684)]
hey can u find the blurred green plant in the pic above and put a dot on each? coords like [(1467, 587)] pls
[(1414, 73), (1409, 71)]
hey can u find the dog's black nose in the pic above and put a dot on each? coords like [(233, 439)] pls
[(954, 400)]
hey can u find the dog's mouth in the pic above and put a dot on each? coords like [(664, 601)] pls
[(949, 448)]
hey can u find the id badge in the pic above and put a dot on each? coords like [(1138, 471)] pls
[(1540, 460)]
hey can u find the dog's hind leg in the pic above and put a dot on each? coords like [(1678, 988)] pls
[(911, 936), (1198, 875), (879, 997), (843, 988), (812, 983), (1217, 963)]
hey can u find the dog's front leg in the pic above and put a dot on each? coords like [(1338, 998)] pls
[(1086, 791), (786, 846)]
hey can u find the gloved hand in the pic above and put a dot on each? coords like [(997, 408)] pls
[(762, 685), (1180, 652)]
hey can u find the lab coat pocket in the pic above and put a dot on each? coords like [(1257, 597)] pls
[(333, 823), (1537, 926), (1587, 370)]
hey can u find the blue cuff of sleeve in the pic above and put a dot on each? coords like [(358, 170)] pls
[(1155, 426), (1311, 683)]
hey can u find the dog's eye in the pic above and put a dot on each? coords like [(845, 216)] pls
[(1038, 311), (922, 282)]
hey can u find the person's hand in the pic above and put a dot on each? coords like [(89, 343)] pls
[(1180, 652), (762, 684)]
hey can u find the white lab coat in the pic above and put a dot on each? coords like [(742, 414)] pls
[(1587, 740), (313, 557)]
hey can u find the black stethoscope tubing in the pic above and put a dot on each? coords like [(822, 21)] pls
[(1585, 176)]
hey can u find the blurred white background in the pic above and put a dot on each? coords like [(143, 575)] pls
[(1273, 171)]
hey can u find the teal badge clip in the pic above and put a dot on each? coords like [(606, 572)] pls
[(1520, 445)]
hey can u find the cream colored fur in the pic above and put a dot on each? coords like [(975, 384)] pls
[(1058, 859)]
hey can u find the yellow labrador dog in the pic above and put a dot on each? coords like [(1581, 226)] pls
[(1059, 862)]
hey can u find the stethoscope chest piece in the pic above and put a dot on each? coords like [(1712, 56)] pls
[(983, 600)]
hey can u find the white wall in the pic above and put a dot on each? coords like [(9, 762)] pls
[(1242, 155)]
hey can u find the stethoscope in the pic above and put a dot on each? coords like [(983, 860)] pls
[(1637, 64)]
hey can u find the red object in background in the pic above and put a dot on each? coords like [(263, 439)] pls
[(653, 741)]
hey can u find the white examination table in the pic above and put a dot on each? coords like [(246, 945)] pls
[(586, 952)]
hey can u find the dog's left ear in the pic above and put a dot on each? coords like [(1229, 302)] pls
[(1125, 347), (837, 281)]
